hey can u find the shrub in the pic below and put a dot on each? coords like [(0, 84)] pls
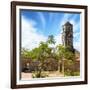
[(69, 72), (38, 74)]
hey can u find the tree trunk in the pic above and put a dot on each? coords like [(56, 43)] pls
[(63, 67), (59, 68)]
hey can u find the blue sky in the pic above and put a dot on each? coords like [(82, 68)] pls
[(38, 25)]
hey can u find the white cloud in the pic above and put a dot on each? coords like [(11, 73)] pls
[(30, 37), (58, 39), (42, 19), (50, 16), (65, 19), (76, 34), (77, 45)]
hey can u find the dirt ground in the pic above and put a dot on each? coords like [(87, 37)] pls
[(27, 76)]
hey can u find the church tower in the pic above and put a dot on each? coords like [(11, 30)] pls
[(67, 35)]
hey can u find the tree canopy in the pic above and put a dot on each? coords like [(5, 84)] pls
[(43, 52)]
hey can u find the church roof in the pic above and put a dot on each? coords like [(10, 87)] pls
[(67, 23)]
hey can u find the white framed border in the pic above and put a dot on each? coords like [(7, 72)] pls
[(51, 80)]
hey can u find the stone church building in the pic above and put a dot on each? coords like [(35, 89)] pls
[(67, 35), (67, 41)]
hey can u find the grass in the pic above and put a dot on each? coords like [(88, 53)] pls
[(69, 73)]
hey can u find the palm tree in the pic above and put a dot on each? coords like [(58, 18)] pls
[(51, 39)]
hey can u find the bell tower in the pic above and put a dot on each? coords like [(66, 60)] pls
[(67, 35)]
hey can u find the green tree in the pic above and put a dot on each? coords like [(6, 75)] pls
[(69, 63), (60, 55), (25, 53), (41, 55), (43, 52), (64, 55)]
